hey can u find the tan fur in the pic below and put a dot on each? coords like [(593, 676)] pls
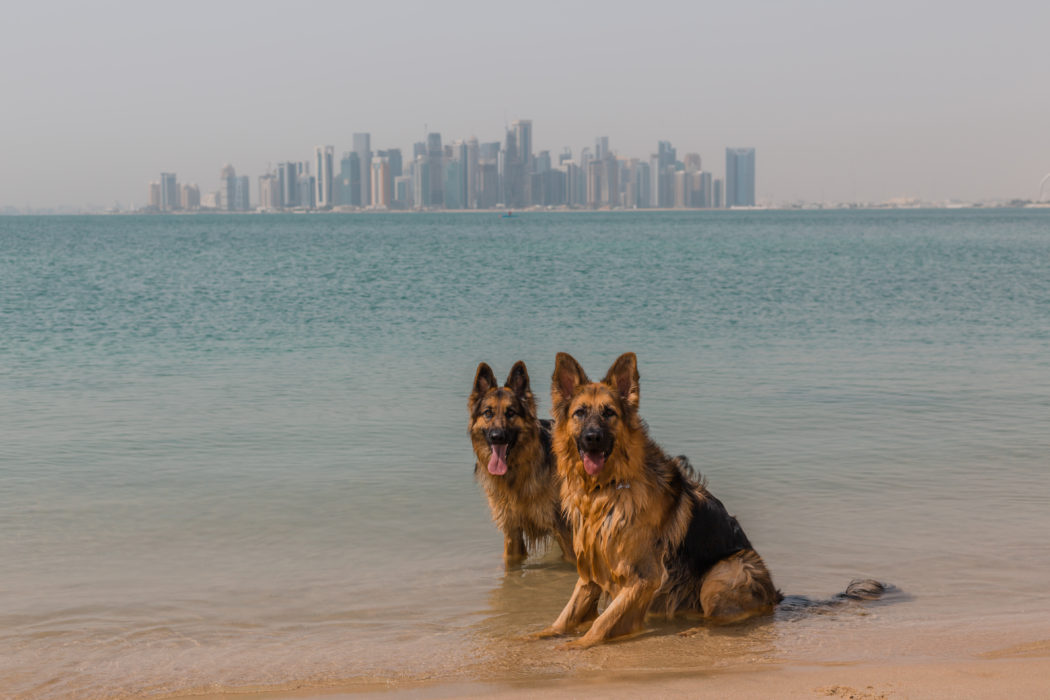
[(633, 522), (525, 502)]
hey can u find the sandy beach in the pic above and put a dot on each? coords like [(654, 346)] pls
[(1020, 671)]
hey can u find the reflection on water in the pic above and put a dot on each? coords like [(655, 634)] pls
[(528, 599)]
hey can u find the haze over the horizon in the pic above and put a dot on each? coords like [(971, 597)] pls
[(933, 100)]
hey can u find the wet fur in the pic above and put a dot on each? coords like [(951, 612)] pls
[(647, 532), (525, 502)]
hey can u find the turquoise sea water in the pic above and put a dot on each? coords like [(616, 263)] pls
[(234, 448)]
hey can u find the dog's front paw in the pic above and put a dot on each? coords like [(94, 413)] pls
[(545, 634), (577, 644)]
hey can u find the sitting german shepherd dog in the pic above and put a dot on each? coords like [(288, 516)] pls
[(646, 531), (514, 463)]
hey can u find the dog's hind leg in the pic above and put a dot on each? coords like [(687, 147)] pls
[(737, 588)]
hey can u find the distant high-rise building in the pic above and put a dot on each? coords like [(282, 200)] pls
[(154, 195), (346, 188), (421, 182), (595, 171), (363, 149), (381, 185), (324, 157), (740, 177), (393, 156), (288, 182), (403, 192), (644, 183), (601, 147), (610, 181), (488, 181), (307, 191), (191, 197), (717, 194), (269, 192), (455, 185), (227, 198), (681, 189), (169, 192), (523, 137), (661, 175), (692, 162), (702, 190), (242, 194), (393, 169), (436, 169), (472, 161)]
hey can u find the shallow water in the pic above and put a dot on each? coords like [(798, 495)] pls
[(234, 449)]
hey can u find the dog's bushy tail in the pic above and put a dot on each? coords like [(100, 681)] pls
[(859, 590), (864, 589)]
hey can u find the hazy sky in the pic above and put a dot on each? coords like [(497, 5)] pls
[(842, 100)]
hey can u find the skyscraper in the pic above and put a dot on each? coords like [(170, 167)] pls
[(242, 194), (661, 175), (740, 177), (269, 192), (363, 149), (381, 183), (523, 136), (601, 147), (191, 197), (169, 192), (324, 155), (436, 169), (288, 182), (227, 198), (473, 155)]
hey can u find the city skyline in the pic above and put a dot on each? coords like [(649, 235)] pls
[(934, 101), (470, 174)]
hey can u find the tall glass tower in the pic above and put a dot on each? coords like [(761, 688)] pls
[(740, 177)]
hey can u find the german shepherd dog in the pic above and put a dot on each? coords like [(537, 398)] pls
[(647, 532), (514, 464)]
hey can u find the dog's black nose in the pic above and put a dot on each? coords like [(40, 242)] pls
[(592, 438), (498, 436)]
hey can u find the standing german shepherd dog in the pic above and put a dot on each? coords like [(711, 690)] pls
[(514, 463), (647, 532)]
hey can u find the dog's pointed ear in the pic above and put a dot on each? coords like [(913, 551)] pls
[(623, 377), (518, 379), (567, 376), (484, 380)]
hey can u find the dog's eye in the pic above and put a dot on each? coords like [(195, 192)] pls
[(488, 413), (608, 413), (511, 413), (579, 413)]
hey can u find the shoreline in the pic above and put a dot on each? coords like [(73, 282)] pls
[(1019, 670)]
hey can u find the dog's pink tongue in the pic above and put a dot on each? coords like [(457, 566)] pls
[(593, 462), (498, 460)]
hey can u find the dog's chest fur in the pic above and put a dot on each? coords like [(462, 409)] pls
[(613, 522)]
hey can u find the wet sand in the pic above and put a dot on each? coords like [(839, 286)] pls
[(1017, 671)]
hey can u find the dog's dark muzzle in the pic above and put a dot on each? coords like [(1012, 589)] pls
[(501, 436), (595, 440)]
